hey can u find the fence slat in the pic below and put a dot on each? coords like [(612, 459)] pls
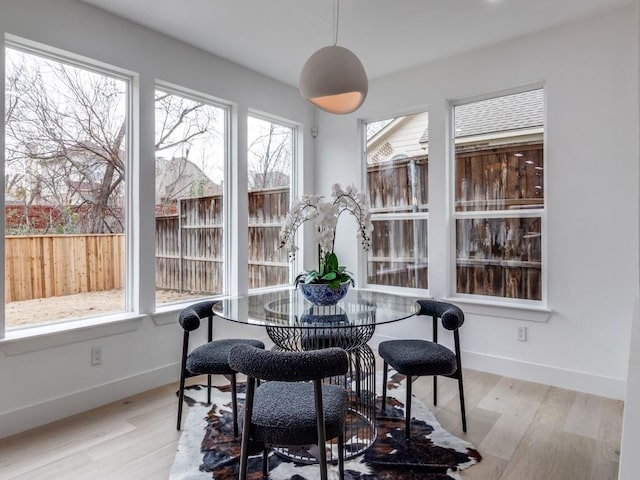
[(42, 266)]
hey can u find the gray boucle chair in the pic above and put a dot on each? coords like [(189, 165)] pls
[(416, 358), (287, 410), (212, 358)]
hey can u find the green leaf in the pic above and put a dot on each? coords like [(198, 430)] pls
[(312, 276), (332, 262), (330, 276)]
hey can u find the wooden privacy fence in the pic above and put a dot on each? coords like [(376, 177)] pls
[(44, 266), (189, 253), (268, 264), (189, 245), (494, 256), (397, 191)]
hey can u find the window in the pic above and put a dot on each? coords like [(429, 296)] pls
[(397, 179), (190, 145), (499, 196), (270, 162), (65, 206)]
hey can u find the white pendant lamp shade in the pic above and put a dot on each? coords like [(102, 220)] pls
[(334, 80)]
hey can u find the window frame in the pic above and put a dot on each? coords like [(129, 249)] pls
[(139, 297), (393, 288), (294, 187), (227, 223), (363, 257), (537, 307), (131, 238)]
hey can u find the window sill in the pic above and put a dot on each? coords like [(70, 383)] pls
[(27, 340), (513, 311), (417, 293), (168, 313)]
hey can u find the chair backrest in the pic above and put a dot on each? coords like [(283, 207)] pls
[(190, 317), (451, 315), (288, 366)]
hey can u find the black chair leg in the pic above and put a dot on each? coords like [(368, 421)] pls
[(407, 422), (234, 404), (265, 462), (183, 374), (385, 367), (456, 340), (208, 389), (435, 390), (180, 399), (322, 434), (462, 409), (341, 457), (246, 429)]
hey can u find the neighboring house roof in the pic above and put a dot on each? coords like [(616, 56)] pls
[(509, 112), (179, 177), (376, 128), (265, 180)]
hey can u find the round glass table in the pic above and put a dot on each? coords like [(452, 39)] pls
[(294, 324)]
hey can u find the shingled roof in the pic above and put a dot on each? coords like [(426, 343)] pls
[(500, 114)]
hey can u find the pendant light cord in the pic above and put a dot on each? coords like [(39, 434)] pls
[(336, 15)]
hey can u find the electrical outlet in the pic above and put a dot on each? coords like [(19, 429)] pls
[(522, 334), (96, 355)]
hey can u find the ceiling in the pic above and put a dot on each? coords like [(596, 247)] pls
[(275, 37)]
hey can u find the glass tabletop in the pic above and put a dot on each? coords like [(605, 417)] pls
[(288, 308)]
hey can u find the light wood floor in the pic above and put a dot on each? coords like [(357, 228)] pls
[(524, 431)]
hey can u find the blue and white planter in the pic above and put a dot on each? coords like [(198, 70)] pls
[(322, 293)]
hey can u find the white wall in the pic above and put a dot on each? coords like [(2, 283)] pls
[(590, 73), (56, 379), (630, 432), (590, 70)]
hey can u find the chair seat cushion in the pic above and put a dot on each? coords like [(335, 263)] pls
[(418, 357), (284, 413), (213, 357)]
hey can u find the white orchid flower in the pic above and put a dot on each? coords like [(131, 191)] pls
[(325, 217)]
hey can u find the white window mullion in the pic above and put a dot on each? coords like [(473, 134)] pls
[(499, 239), (238, 216), (2, 200)]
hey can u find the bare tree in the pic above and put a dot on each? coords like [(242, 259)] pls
[(182, 124), (66, 140), (269, 156)]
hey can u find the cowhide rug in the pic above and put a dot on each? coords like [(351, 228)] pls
[(208, 449)]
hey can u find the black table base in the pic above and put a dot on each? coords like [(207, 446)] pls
[(324, 327)]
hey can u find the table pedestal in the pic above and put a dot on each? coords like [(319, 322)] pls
[(332, 330)]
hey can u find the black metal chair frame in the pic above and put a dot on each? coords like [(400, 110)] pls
[(190, 319), (426, 308), (302, 375)]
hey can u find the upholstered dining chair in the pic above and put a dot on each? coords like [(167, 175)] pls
[(211, 358), (293, 407), (416, 358)]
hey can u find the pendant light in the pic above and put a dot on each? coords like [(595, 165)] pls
[(333, 78)]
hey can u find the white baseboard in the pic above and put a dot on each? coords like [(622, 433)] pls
[(41, 413), (557, 377), (533, 372)]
